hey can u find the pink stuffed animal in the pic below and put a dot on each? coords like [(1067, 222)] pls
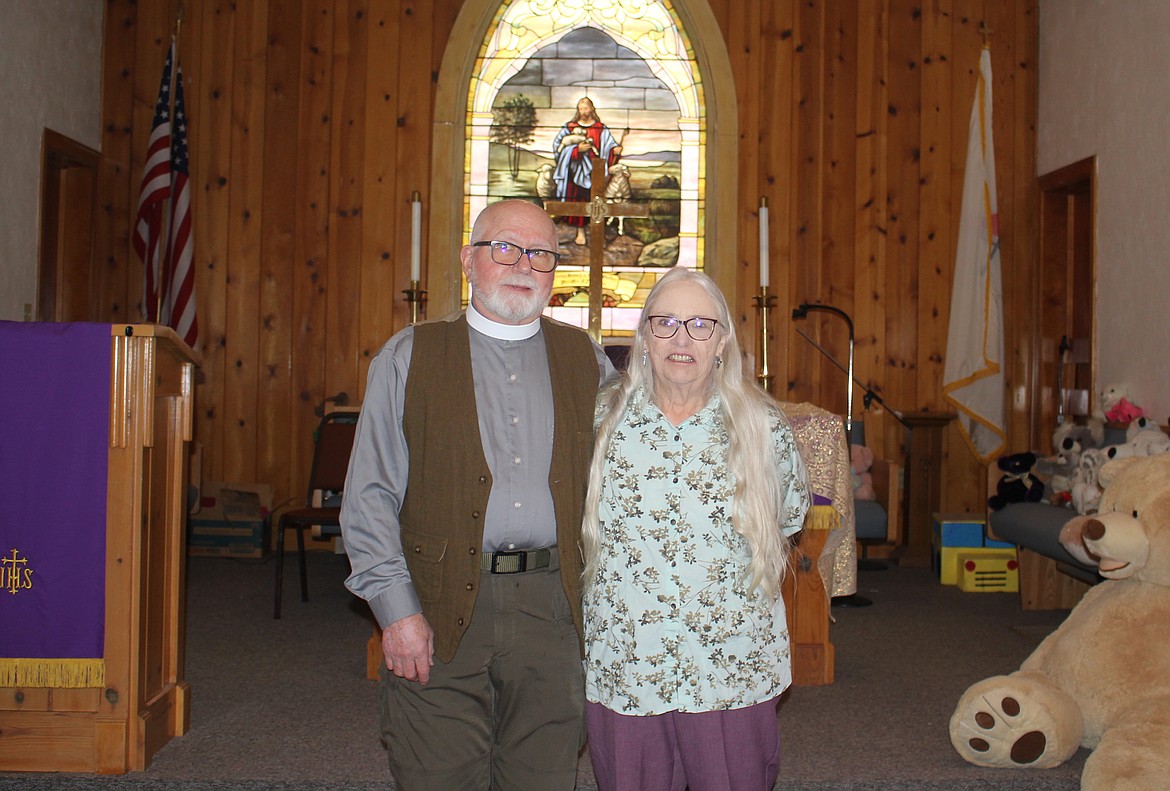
[(1118, 408), (861, 459), (1124, 411)]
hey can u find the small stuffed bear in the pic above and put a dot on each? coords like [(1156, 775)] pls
[(1116, 405), (1101, 680), (1017, 485)]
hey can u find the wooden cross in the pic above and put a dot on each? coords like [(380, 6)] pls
[(597, 210)]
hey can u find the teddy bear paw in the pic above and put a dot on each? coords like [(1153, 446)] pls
[(1010, 722)]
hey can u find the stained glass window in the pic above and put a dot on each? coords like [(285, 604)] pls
[(559, 80)]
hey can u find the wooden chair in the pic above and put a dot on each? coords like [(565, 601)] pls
[(883, 531), (878, 521), (331, 448)]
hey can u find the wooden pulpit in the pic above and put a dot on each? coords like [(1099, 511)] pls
[(125, 704)]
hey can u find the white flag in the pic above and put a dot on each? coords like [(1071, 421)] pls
[(973, 379)]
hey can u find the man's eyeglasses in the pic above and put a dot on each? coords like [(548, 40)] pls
[(699, 328), (508, 254)]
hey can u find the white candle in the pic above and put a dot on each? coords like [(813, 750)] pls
[(763, 242), (415, 240)]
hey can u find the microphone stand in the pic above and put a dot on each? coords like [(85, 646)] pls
[(869, 397)]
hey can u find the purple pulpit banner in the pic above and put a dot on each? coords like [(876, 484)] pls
[(54, 446)]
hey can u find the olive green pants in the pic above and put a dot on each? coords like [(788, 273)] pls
[(507, 711)]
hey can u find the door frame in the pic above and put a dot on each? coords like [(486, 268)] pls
[(1067, 296), (69, 177)]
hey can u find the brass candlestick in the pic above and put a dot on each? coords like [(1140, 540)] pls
[(417, 297), (764, 304)]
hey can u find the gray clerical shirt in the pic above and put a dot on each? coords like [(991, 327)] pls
[(513, 397)]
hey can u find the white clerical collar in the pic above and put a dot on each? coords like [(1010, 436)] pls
[(501, 332)]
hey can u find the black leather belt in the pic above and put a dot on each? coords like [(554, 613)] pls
[(503, 562)]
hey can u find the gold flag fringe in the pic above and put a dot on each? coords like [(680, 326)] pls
[(821, 517), (56, 673)]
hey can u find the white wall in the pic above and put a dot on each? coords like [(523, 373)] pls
[(1105, 91), (50, 76)]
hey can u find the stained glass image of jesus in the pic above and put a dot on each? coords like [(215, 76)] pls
[(574, 167)]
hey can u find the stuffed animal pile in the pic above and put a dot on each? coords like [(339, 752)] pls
[(1102, 679), (1072, 473), (1065, 468)]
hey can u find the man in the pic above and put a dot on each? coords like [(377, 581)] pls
[(574, 171), (461, 518)]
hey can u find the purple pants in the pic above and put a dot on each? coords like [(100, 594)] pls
[(736, 750)]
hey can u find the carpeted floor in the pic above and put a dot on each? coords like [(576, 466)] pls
[(286, 704)]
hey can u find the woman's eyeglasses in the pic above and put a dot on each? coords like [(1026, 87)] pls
[(699, 328)]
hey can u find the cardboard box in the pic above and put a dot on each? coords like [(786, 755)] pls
[(988, 570), (232, 521)]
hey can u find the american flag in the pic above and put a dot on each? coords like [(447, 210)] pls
[(166, 248), (179, 302)]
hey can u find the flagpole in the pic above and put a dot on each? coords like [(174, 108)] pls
[(165, 236), (163, 284)]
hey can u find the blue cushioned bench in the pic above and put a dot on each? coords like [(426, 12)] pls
[(1050, 578)]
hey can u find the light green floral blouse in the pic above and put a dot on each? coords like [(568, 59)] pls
[(669, 625)]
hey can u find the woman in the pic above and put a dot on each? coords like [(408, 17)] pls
[(695, 487)]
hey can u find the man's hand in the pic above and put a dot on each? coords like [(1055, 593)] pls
[(408, 645)]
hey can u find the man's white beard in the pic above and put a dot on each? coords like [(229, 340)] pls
[(511, 307)]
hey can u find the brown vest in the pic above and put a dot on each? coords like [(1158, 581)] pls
[(449, 481)]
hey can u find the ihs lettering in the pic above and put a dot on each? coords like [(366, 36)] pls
[(15, 575)]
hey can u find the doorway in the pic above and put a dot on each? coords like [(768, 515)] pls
[(1068, 282), (65, 263)]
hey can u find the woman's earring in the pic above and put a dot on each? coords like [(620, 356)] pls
[(719, 361), (645, 354)]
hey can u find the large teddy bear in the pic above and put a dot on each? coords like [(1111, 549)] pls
[(1102, 679)]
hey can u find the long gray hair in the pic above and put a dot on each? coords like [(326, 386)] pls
[(747, 413)]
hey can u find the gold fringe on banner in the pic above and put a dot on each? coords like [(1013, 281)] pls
[(56, 673), (822, 517)]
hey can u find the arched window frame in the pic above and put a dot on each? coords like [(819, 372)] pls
[(446, 234)]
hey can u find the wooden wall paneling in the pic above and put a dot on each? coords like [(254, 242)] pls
[(838, 237), (776, 138), (347, 176), (279, 260), (997, 17), (211, 155), (871, 178), (936, 251), (112, 251), (805, 369), (1022, 27), (416, 99), (746, 50), (313, 227), (903, 198), (377, 298), (245, 220)]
